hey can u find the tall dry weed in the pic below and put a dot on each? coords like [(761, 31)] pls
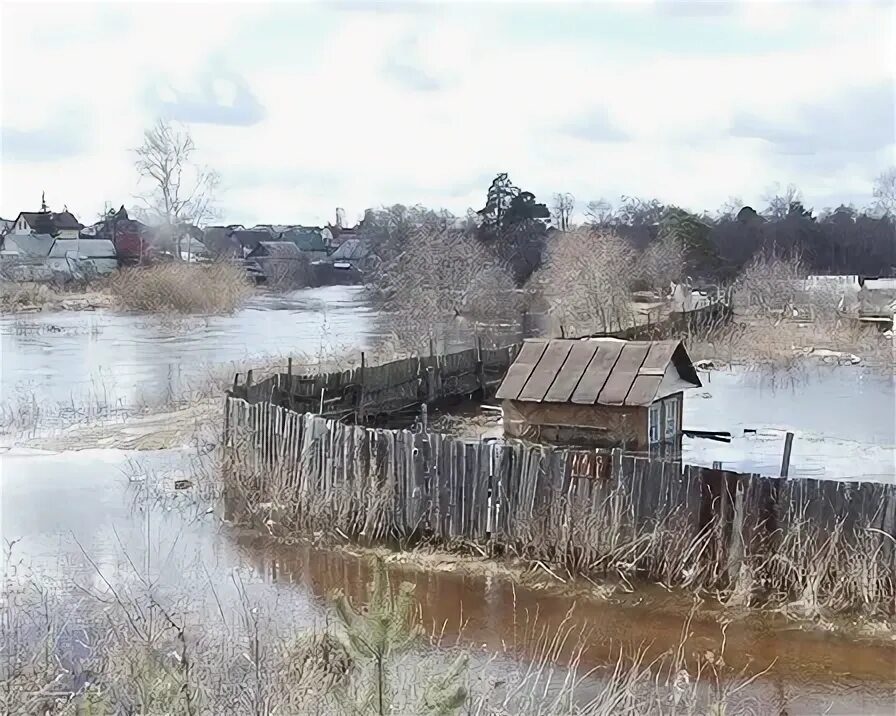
[(182, 288)]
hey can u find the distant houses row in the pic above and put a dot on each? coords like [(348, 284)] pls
[(48, 245)]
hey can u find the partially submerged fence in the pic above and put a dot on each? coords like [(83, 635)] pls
[(588, 510), (387, 389)]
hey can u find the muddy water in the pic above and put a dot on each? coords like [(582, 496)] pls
[(808, 672)]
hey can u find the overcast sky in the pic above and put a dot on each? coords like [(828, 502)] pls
[(306, 107)]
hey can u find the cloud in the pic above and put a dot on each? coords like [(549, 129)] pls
[(410, 76), (64, 136), (222, 97), (595, 126), (862, 119), (363, 104)]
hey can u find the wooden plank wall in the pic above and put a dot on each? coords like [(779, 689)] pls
[(585, 509), (386, 388)]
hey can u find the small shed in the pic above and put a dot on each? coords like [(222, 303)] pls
[(599, 392)]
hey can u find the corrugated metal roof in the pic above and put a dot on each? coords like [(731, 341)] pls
[(35, 246), (86, 248), (603, 371)]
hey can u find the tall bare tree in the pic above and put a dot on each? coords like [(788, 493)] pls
[(586, 279), (178, 190), (561, 210), (885, 192), (779, 202)]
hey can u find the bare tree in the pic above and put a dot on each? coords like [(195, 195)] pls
[(586, 281), (769, 284), (885, 192), (730, 208), (600, 212), (561, 211), (662, 263), (440, 276), (179, 191), (779, 201)]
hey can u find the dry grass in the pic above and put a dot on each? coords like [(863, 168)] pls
[(182, 288), (783, 345), (25, 296)]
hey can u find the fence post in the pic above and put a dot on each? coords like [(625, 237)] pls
[(360, 418), (480, 368), (785, 461)]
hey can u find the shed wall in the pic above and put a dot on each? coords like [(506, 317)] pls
[(593, 425)]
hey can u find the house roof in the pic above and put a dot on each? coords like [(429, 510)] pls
[(250, 237), (48, 222), (307, 238), (351, 249), (31, 245), (276, 250), (66, 220), (86, 248), (594, 371)]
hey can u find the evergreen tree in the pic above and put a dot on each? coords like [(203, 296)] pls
[(373, 637)]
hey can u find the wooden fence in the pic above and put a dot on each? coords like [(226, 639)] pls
[(589, 510), (387, 389)]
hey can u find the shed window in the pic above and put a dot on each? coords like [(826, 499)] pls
[(654, 423)]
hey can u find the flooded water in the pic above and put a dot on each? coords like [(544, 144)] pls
[(843, 419), (79, 514), (124, 360)]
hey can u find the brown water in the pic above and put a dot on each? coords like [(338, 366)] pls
[(809, 671)]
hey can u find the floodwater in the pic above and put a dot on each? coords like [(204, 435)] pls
[(79, 514), (119, 360), (843, 419)]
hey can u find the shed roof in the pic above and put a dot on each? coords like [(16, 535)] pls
[(594, 371), (86, 248)]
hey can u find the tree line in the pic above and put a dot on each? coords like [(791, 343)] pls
[(516, 229)]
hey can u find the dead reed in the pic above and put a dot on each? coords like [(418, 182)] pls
[(182, 288)]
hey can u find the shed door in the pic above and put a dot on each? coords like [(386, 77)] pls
[(664, 428)]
